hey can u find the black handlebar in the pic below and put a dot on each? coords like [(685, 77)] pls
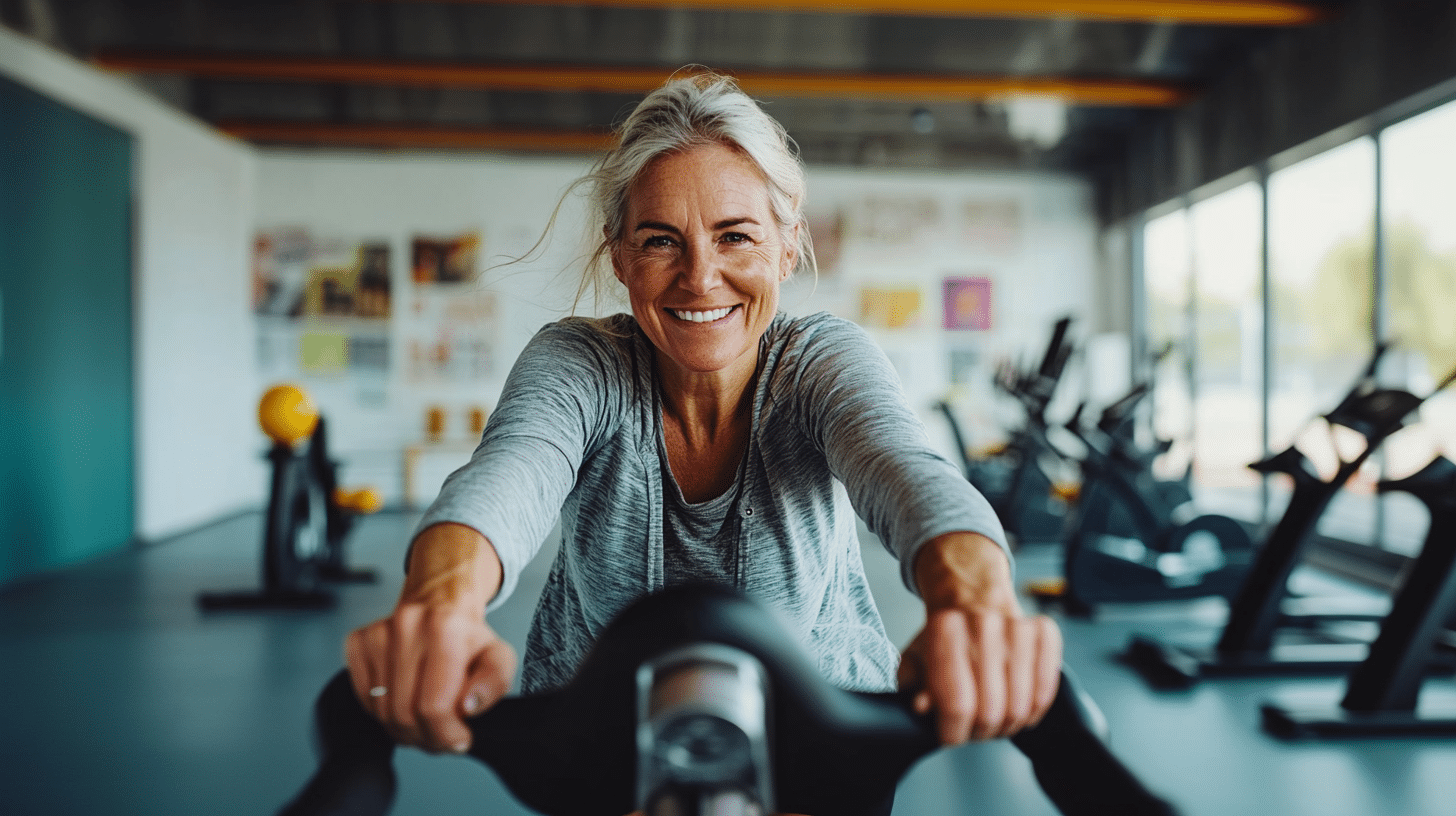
[(572, 752)]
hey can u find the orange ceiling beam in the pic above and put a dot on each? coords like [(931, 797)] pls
[(1193, 12), (407, 136), (917, 88)]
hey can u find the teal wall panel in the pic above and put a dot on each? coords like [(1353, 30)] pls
[(66, 371)]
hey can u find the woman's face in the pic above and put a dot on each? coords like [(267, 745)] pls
[(702, 258)]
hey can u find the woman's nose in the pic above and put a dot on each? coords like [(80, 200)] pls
[(702, 271)]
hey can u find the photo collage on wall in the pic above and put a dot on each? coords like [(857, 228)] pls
[(324, 305), (327, 309), (453, 320)]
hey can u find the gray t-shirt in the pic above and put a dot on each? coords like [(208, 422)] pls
[(578, 435)]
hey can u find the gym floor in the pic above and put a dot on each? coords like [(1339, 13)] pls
[(119, 697)]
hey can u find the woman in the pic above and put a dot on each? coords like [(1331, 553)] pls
[(705, 436)]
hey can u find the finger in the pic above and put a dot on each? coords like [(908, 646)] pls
[(404, 662), (910, 676), (1048, 666), (948, 676), (1021, 672), (441, 676), (361, 673), (988, 666), (488, 677), (373, 646)]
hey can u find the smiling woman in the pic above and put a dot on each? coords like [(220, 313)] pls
[(705, 437)]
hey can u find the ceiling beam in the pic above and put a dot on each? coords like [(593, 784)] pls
[(1193, 12), (410, 136), (908, 88)]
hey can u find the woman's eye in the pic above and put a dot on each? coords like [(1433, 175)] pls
[(657, 241), (734, 238)]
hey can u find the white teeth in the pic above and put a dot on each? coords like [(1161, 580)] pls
[(702, 317)]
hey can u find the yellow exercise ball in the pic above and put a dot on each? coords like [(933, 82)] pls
[(287, 414)]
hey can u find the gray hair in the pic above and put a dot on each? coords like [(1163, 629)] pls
[(687, 111)]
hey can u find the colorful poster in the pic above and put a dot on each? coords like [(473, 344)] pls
[(967, 304), (897, 308), (445, 260)]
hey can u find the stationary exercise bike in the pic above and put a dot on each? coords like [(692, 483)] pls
[(1382, 694), (309, 516), (1013, 478), (1125, 543), (695, 701), (1248, 645)]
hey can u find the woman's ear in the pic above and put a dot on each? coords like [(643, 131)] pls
[(612, 247), (791, 254)]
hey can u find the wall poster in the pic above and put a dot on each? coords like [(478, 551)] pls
[(967, 303), (323, 304)]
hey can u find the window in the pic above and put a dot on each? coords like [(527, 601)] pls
[(1228, 416), (1322, 282), (1419, 177), (1168, 279)]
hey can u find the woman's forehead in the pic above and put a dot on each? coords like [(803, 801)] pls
[(707, 181)]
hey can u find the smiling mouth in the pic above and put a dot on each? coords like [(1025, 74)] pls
[(702, 317)]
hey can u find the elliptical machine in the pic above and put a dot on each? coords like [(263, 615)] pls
[(1013, 478), (308, 517)]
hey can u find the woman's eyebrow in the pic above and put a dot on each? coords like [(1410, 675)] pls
[(728, 223), (654, 225)]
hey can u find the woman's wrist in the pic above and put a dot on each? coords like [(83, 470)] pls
[(452, 564), (964, 570)]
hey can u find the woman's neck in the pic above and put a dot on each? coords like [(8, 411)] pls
[(707, 405)]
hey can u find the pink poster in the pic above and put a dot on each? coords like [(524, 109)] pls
[(967, 304)]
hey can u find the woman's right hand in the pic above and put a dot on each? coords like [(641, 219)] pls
[(434, 661)]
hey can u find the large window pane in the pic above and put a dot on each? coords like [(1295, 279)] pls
[(1228, 347), (1420, 226), (1167, 279), (1321, 221)]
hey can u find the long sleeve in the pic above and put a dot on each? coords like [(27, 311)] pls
[(554, 408), (852, 406)]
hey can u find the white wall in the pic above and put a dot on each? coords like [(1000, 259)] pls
[(390, 197), (197, 442)]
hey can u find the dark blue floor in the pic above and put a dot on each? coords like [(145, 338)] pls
[(117, 696)]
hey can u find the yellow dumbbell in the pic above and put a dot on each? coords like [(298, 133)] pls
[(363, 501), (287, 414)]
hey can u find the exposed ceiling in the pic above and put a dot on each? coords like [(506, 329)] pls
[(915, 83)]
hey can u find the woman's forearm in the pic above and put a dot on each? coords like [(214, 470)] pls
[(452, 564)]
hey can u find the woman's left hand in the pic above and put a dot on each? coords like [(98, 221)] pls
[(986, 669)]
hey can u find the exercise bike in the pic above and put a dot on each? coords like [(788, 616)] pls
[(1013, 478), (1382, 694), (1248, 645), (695, 701), (309, 516), (1124, 544)]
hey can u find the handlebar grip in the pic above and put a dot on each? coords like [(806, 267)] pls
[(572, 752)]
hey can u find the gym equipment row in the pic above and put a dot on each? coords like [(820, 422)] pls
[(309, 516), (1012, 477), (1124, 543), (1123, 536), (1247, 645), (695, 701)]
